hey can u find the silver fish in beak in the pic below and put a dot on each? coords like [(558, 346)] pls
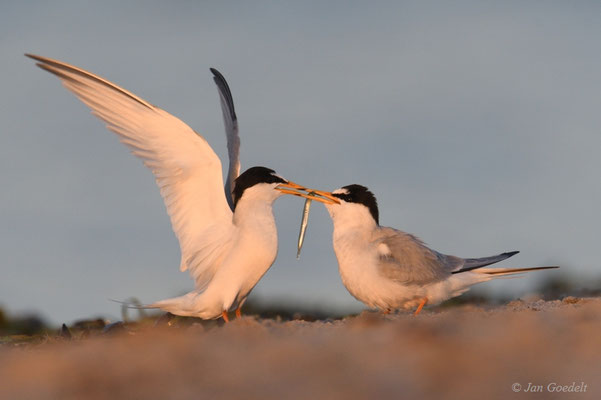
[(304, 223), (310, 195)]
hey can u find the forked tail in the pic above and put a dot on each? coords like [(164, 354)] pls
[(510, 271), (134, 304)]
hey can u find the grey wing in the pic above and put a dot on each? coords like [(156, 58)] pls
[(404, 258), (231, 132)]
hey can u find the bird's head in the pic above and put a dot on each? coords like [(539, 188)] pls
[(355, 203), (265, 185)]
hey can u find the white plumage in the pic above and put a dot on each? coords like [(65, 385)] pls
[(389, 269), (227, 243)]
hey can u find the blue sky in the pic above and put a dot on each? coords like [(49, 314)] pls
[(476, 124)]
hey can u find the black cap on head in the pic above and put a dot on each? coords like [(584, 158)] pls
[(361, 195), (253, 176)]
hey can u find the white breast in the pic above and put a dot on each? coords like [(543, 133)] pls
[(253, 250), (357, 264), (358, 259)]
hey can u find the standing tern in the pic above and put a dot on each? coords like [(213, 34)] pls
[(389, 269), (227, 238)]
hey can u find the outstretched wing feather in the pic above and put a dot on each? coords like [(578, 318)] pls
[(230, 121), (186, 169)]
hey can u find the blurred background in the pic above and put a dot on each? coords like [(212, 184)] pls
[(476, 124)]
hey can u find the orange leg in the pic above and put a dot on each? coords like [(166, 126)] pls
[(238, 312), (422, 303), (225, 317)]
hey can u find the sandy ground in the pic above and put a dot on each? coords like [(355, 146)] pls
[(464, 352)]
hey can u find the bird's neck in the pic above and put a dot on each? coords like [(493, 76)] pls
[(256, 213), (352, 223)]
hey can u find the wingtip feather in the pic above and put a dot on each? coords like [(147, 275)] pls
[(56, 66)]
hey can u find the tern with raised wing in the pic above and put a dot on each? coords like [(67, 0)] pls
[(389, 269), (227, 238)]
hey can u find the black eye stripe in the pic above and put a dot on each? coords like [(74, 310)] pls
[(252, 177), (360, 195), (343, 196)]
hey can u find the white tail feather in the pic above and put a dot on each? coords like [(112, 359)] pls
[(509, 271)]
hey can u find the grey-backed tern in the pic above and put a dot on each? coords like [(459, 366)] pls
[(388, 269)]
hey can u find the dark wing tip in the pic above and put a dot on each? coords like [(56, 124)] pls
[(225, 91), (35, 57), (474, 263), (42, 59), (220, 81)]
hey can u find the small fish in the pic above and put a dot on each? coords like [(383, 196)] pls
[(303, 227)]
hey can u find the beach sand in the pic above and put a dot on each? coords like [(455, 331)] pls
[(465, 352)]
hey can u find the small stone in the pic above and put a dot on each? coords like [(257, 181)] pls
[(570, 300)]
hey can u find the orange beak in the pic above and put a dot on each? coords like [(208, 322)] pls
[(291, 188), (295, 190), (326, 197)]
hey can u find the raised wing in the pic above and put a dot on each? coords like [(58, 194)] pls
[(231, 132), (187, 170), (406, 259)]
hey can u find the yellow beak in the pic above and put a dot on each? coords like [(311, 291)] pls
[(326, 197), (295, 190)]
